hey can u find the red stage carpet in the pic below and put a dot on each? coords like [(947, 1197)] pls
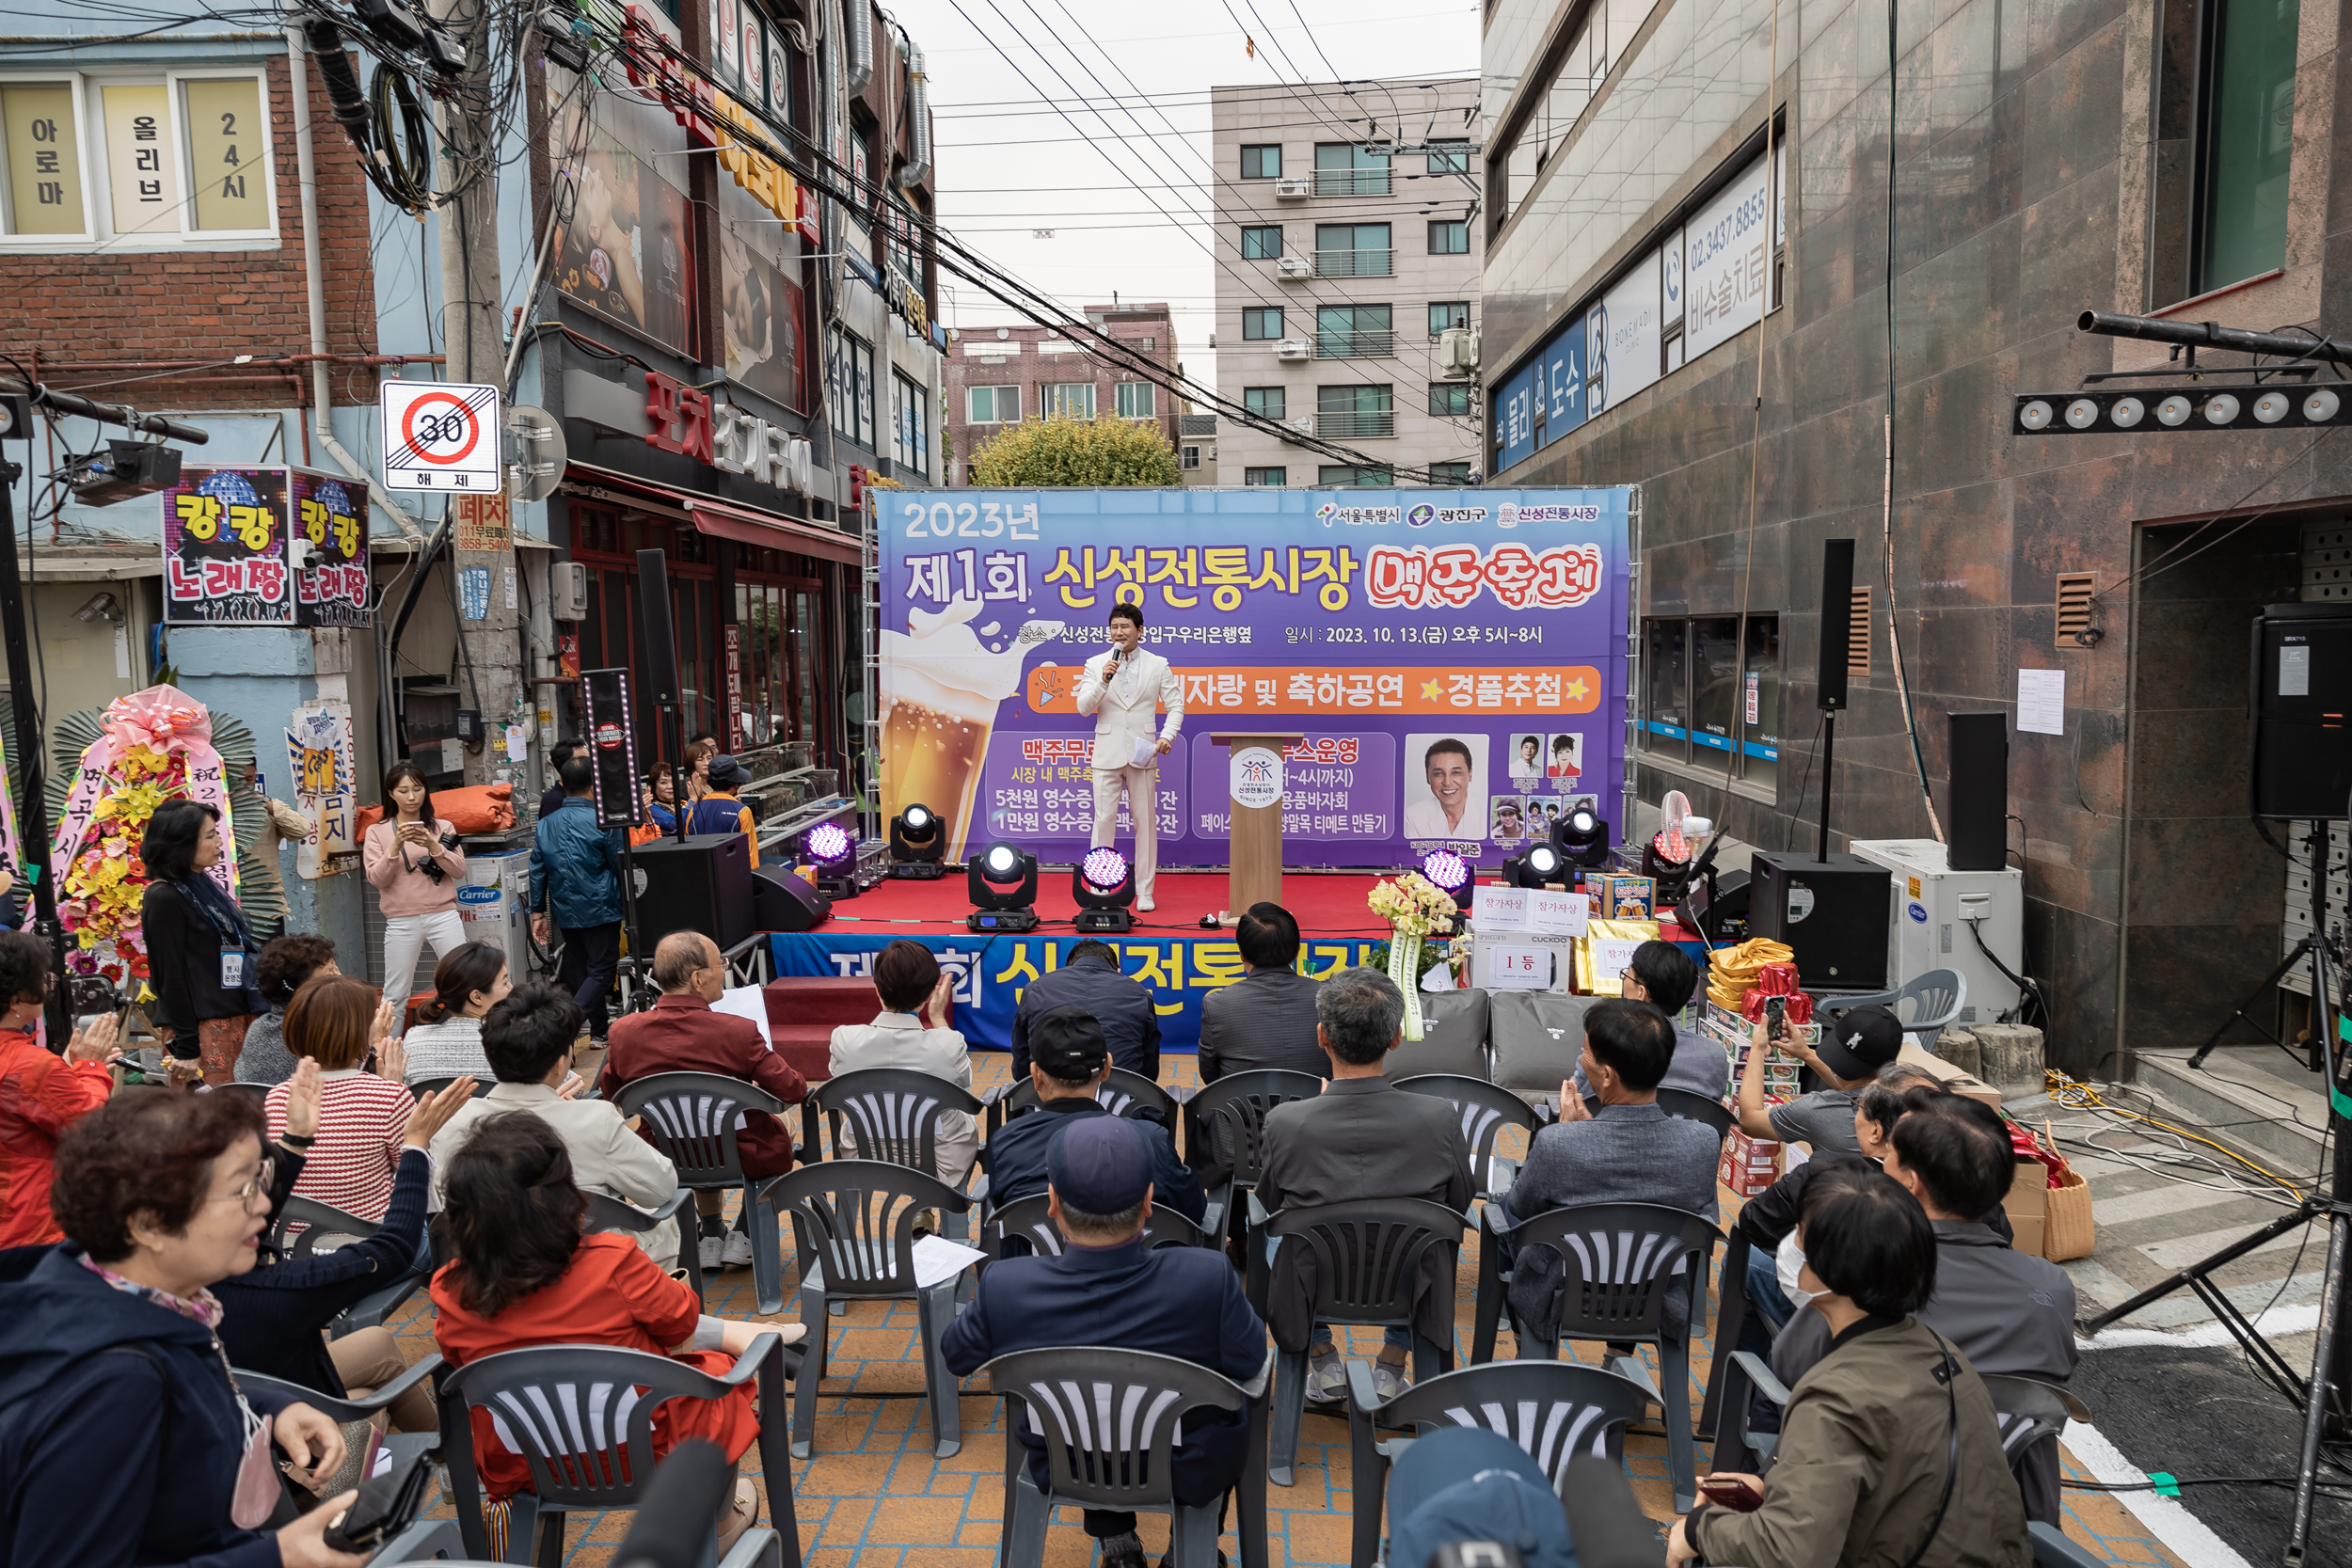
[(1324, 905)]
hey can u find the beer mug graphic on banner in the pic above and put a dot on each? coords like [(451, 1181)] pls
[(940, 686)]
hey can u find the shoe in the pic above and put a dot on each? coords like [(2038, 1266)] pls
[(1145, 903), (1122, 1551), (1387, 1381), (1326, 1379), (738, 1252), (709, 1250), (742, 1517)]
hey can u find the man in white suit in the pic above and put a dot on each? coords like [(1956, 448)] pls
[(1124, 687)]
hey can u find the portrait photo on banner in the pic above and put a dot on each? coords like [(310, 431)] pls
[(1445, 786), (1527, 760)]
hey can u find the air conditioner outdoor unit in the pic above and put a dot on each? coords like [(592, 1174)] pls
[(1294, 348), (1294, 268), (1457, 351), (1293, 189)]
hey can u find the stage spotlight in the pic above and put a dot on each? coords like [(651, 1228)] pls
[(1001, 882), (832, 853), (1541, 865), (1581, 836), (2127, 412), (1105, 886), (2221, 408), (2082, 414), (2271, 408), (2321, 406), (918, 839), (2174, 411), (2035, 414), (1672, 876), (1452, 874)]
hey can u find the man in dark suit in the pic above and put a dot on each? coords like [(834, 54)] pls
[(1069, 1061), (1266, 1020), (1362, 1137), (1108, 1289), (1089, 977)]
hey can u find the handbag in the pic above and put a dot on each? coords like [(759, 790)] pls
[(388, 1504), (2067, 1228)]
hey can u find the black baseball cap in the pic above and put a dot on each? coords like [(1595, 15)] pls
[(728, 773), (1067, 1043), (1099, 1165), (1861, 1042)]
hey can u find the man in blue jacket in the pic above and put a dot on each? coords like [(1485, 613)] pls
[(1089, 977), (576, 870), (1069, 1063), (1107, 1288)]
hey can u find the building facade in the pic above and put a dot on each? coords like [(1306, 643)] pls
[(1001, 376), (1195, 450), (1661, 311), (1344, 249)]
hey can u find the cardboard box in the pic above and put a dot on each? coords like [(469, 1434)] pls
[(2027, 1203), (1950, 1076), (1748, 1165)]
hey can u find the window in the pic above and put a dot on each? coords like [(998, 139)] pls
[(1072, 400), (1191, 457), (1456, 472), (1449, 399), (1353, 251), (910, 425), (1351, 413), (163, 162), (902, 243), (1354, 332), (1265, 402), (1710, 690), (2246, 142), (1515, 158), (1449, 237), (994, 404), (1448, 157), (1261, 243), (1258, 325), (1262, 162), (1135, 400), (1343, 168), (1342, 475), (1277, 476), (1448, 313), (850, 387)]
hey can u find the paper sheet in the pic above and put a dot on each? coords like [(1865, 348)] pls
[(746, 1002), (2042, 702), (1146, 753), (1495, 908), (1558, 914), (937, 1260)]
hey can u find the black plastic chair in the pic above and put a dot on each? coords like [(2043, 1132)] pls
[(581, 1417), (1555, 1410), (1110, 1419), (853, 1227), (346, 1410), (1731, 1320), (607, 1212), (2029, 1412), (692, 1118), (258, 1093), (1123, 1094), (1697, 1107), (1620, 1262), (440, 1541), (1023, 1228), (1368, 1273), (1486, 1111), (435, 1085), (1236, 1106), (319, 1223)]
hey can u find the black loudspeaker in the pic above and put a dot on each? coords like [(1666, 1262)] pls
[(2300, 752), (653, 611), (612, 748), (1835, 913), (702, 882), (1975, 806), (1836, 621), (783, 902)]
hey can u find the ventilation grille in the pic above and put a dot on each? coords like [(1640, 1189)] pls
[(2327, 563), (2074, 590), (1858, 635)]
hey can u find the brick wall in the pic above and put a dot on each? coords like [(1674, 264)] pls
[(1032, 371)]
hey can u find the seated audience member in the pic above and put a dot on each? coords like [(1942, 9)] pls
[(336, 1021), (1865, 1470), (275, 1315), (1851, 1052), (1629, 1151), (521, 1273), (527, 1036), (681, 1034), (907, 976), (1108, 1289), (1362, 1137), (121, 1435), (1068, 1065), (1268, 1018), (286, 965), (1089, 977), (42, 1093), (447, 1040), (2012, 1314), (1664, 975), (1468, 1484)]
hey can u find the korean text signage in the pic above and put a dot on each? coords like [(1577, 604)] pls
[(224, 533), (1455, 660)]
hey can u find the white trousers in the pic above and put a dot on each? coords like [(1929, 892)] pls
[(1141, 788), (406, 936)]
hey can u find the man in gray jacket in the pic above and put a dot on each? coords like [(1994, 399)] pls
[(1664, 975), (1268, 1019)]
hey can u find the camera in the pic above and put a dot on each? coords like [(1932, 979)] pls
[(91, 993), (431, 868)]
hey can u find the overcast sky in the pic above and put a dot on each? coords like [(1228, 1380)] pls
[(1105, 142)]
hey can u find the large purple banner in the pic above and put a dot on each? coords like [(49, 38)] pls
[(1454, 660)]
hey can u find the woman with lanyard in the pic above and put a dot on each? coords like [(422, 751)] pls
[(413, 858), (201, 957)]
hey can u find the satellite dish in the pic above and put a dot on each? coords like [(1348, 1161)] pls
[(535, 452)]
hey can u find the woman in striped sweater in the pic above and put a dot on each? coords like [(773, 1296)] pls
[(336, 1021)]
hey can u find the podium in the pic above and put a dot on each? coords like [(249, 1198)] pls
[(1256, 873)]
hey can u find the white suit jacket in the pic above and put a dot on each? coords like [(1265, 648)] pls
[(1119, 725)]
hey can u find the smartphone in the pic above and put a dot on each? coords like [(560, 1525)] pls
[(1776, 1018), (1737, 1493)]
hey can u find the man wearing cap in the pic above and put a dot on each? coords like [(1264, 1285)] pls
[(1089, 977), (1068, 1063), (719, 812), (1108, 1290), (1853, 1050), (1467, 1484)]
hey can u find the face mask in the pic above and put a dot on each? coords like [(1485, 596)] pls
[(1789, 1263)]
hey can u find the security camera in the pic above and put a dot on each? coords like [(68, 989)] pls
[(99, 607)]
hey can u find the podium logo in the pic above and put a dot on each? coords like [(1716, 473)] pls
[(1256, 777)]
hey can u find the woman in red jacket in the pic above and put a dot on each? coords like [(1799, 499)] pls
[(41, 1093)]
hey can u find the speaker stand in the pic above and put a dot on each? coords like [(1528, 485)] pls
[(2311, 1058), (1829, 750)]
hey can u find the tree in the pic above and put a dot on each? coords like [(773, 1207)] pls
[(1064, 451)]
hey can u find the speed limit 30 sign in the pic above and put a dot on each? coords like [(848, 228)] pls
[(442, 436)]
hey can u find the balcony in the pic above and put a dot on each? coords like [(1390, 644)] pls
[(1356, 425), (1362, 344), (1352, 181), (1355, 264)]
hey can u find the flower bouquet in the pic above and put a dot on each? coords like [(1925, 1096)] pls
[(1414, 906)]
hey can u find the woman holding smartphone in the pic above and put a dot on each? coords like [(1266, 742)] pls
[(413, 858)]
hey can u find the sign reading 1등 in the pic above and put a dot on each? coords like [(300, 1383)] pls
[(442, 436)]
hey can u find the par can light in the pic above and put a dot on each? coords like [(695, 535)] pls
[(2221, 408), (2082, 414), (2127, 412), (2174, 411), (2035, 414), (2271, 408), (2321, 406)]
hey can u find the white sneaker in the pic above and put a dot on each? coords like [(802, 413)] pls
[(1145, 902), (739, 1250), (709, 1250)]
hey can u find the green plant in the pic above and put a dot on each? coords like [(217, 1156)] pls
[(1062, 451)]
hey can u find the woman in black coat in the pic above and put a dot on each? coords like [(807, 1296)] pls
[(202, 957)]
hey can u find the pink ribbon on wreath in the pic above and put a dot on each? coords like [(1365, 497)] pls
[(167, 719)]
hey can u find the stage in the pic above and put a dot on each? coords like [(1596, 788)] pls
[(1167, 951)]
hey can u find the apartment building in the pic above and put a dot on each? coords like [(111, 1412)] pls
[(1000, 375), (1344, 249)]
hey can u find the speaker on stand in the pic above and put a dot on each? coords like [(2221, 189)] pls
[(1976, 802)]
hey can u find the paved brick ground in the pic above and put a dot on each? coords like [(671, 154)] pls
[(874, 1496)]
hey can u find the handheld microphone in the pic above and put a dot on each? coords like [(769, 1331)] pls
[(678, 1518)]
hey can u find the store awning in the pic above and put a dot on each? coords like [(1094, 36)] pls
[(720, 519)]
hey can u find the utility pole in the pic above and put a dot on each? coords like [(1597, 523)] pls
[(489, 673)]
